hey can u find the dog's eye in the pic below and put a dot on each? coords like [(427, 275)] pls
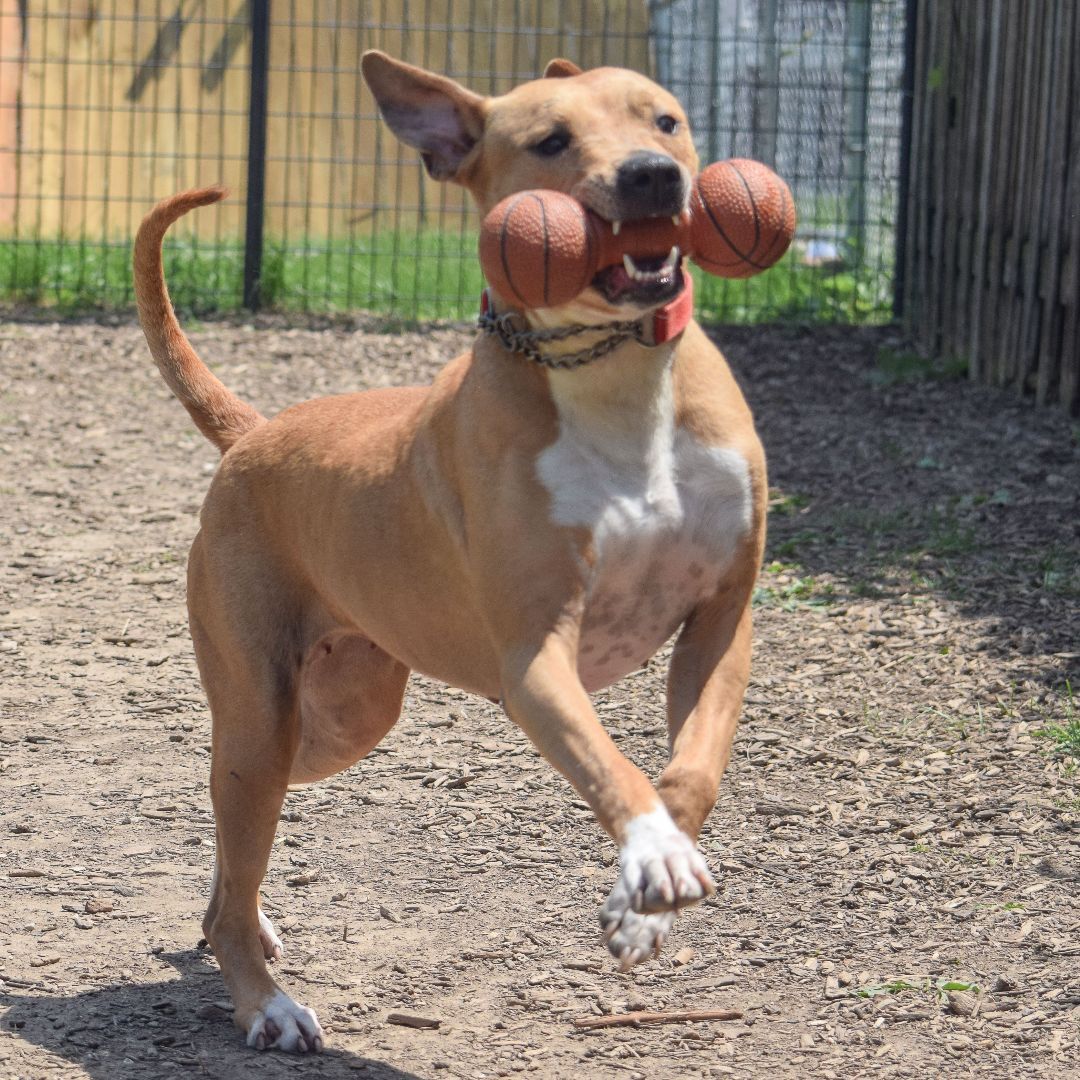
[(667, 124), (554, 144)]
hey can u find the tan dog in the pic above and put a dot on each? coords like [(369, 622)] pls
[(527, 532)]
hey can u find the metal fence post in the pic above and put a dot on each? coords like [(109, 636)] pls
[(256, 160)]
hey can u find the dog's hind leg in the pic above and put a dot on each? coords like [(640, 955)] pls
[(251, 684), (286, 709)]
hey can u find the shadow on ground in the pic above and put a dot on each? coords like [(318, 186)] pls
[(164, 1028), (889, 478)]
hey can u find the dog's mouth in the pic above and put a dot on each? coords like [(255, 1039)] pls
[(643, 281)]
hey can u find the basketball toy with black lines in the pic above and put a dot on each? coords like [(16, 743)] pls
[(540, 249), (742, 218)]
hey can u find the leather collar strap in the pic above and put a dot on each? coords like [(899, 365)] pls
[(663, 325)]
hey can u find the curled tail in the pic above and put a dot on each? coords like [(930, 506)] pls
[(218, 413)]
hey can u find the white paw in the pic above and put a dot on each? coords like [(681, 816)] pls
[(271, 943), (660, 869), (282, 1024), (630, 937)]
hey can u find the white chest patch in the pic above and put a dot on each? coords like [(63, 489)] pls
[(666, 514)]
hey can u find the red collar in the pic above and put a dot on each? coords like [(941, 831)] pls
[(672, 319), (665, 324)]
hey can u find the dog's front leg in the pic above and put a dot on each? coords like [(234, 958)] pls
[(660, 869), (710, 668)]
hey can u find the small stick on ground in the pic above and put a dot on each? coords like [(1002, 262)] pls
[(406, 1020), (677, 1016)]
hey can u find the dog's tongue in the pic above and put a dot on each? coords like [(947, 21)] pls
[(651, 280)]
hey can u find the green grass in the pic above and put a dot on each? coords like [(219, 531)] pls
[(895, 367), (1064, 737), (405, 274), (938, 987), (789, 590), (791, 291)]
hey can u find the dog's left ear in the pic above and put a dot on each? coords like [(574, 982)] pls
[(561, 69), (428, 112)]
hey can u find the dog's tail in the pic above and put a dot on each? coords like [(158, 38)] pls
[(218, 413)]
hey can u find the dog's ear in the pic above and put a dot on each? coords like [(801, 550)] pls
[(561, 69), (428, 112)]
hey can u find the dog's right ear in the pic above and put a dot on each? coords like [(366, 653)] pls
[(561, 69), (428, 112)]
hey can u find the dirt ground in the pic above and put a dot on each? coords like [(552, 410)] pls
[(896, 839)]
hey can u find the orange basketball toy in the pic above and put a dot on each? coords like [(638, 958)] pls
[(542, 248)]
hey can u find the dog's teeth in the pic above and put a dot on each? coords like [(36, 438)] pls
[(634, 273), (675, 220), (615, 227), (673, 258)]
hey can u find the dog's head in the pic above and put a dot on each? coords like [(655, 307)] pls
[(612, 138)]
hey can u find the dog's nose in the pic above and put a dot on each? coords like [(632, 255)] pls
[(650, 185)]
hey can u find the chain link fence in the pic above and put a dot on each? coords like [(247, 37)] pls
[(108, 105)]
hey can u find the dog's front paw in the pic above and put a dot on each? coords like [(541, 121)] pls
[(659, 866), (660, 871), (630, 936), (283, 1024)]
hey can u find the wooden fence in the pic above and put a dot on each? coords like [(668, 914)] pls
[(992, 265), (106, 105)]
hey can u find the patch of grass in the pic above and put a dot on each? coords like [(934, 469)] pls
[(78, 276), (791, 592), (896, 986), (896, 366), (793, 290), (1064, 737), (945, 534), (785, 503), (938, 987), (958, 724), (1058, 571), (409, 274), (787, 549)]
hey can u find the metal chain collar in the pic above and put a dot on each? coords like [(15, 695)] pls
[(528, 343)]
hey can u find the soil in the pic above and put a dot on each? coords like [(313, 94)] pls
[(896, 838)]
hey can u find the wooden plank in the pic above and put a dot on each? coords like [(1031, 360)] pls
[(923, 166), (1048, 354), (982, 285), (1069, 392), (939, 152), (1020, 231), (965, 95), (914, 282), (1042, 91), (1005, 166)]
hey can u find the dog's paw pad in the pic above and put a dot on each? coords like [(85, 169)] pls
[(282, 1024), (271, 944)]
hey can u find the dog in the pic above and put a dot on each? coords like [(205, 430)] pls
[(531, 527)]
